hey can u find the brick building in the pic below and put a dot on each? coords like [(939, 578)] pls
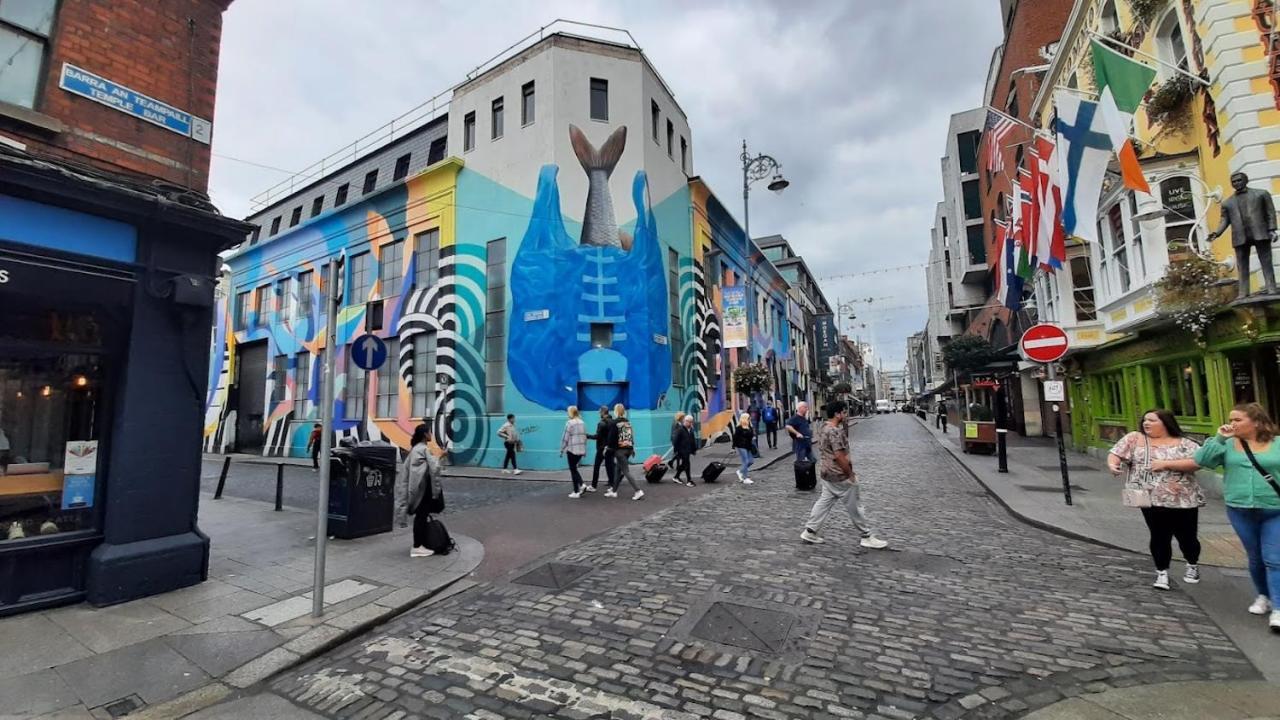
[(108, 254)]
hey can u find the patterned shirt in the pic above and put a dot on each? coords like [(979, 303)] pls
[(574, 438), (832, 440), (1169, 489)]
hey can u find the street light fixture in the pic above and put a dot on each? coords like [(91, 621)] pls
[(755, 169)]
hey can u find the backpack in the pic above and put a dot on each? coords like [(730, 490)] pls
[(626, 436), (770, 415), (438, 540)]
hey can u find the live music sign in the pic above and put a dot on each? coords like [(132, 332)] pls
[(1044, 343)]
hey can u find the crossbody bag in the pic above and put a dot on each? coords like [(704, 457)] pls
[(1256, 466), (1135, 493)]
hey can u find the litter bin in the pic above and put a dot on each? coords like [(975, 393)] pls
[(362, 481)]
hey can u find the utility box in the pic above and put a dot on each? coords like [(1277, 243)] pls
[(362, 481)]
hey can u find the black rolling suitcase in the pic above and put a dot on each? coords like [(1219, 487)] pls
[(806, 475), (712, 471), (655, 473)]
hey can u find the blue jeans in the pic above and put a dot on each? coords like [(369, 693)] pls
[(1259, 532), (745, 457)]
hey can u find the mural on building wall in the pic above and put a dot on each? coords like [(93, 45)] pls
[(589, 324)]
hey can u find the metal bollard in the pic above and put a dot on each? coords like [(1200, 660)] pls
[(279, 487), (222, 479)]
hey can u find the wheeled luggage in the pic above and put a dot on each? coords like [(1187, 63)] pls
[(806, 475), (654, 474), (712, 471)]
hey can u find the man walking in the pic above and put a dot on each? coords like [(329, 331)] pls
[(942, 416), (313, 446), (839, 483), (801, 433), (770, 417), (684, 446), (601, 436)]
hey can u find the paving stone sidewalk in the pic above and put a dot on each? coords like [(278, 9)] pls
[(713, 608), (250, 619)]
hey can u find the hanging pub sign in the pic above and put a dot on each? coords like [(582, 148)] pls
[(1176, 195)]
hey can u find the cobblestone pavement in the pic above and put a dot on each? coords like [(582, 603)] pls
[(969, 615), (256, 481)]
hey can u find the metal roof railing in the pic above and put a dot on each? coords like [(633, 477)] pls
[(427, 111)]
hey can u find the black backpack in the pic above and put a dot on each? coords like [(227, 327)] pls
[(438, 540)]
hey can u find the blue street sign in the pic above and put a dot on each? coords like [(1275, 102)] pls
[(368, 352), (127, 100)]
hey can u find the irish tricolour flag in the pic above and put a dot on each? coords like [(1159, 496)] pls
[(1121, 85)]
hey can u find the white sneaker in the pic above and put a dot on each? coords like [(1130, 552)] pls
[(873, 542), (748, 481), (638, 496), (516, 471), (420, 552), (575, 495), (506, 471), (1192, 575), (739, 474), (1162, 580), (1261, 605), (811, 537), (610, 494), (1275, 621), (589, 488)]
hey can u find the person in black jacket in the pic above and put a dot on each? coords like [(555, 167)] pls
[(603, 430), (684, 445), (744, 441)]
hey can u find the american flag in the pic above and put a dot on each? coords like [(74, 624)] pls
[(996, 130)]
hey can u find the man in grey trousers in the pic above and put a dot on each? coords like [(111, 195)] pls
[(839, 483)]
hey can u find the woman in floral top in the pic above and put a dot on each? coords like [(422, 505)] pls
[(1176, 497)]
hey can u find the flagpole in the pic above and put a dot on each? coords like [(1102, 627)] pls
[(1012, 119), (1083, 93), (1162, 63)]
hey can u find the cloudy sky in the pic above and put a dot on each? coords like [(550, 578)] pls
[(851, 96)]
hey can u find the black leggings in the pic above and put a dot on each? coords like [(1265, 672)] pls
[(510, 457), (420, 519), (771, 434), (573, 471), (1168, 523)]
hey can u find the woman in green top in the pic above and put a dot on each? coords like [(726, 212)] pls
[(1253, 503)]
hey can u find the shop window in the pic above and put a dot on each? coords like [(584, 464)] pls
[(599, 99), (1110, 394), (361, 279), (495, 321), (1182, 387), (527, 106), (279, 379), (24, 43), (389, 381), (356, 392), (1082, 289), (242, 310), (306, 286), (426, 259), (390, 268), (301, 385), (424, 374)]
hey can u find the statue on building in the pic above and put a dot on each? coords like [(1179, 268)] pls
[(1251, 215)]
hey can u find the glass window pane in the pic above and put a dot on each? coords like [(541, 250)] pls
[(20, 77), (33, 15), (972, 200)]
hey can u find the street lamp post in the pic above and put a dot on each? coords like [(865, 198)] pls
[(755, 169)]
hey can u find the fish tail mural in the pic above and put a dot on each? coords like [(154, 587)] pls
[(599, 227)]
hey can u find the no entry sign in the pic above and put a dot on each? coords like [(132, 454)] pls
[(1044, 343)]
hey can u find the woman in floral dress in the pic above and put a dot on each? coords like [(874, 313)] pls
[(1176, 497)]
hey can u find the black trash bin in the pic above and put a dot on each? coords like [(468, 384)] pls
[(362, 483)]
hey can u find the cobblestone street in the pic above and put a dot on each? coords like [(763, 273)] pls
[(713, 608)]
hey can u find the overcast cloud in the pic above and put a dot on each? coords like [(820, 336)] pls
[(851, 97)]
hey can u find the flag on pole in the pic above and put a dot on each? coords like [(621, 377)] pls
[(1050, 239), (997, 128), (1028, 225), (1083, 151), (1012, 286), (1122, 83)]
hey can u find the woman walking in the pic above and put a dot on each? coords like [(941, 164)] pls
[(1246, 450), (425, 496), (1170, 500), (744, 441), (573, 443), (624, 447), (511, 441)]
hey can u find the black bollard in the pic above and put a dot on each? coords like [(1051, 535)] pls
[(222, 479), (279, 487), (1002, 429)]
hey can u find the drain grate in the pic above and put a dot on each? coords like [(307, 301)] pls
[(745, 627), (1052, 488), (124, 706), (556, 576)]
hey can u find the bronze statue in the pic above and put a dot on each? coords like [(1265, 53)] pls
[(1251, 215)]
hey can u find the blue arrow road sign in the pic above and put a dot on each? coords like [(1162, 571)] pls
[(368, 352)]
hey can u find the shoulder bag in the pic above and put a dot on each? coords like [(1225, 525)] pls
[(1271, 480), (1135, 493)]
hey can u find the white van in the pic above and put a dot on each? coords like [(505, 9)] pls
[(883, 407)]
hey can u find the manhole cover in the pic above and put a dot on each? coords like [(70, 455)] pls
[(1072, 468), (556, 576), (744, 627), (1051, 488)]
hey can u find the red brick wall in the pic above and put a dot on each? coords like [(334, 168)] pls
[(167, 49)]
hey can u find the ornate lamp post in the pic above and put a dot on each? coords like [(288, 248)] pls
[(755, 169)]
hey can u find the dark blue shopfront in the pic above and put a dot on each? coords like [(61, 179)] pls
[(106, 297)]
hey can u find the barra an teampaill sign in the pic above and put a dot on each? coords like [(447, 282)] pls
[(131, 102)]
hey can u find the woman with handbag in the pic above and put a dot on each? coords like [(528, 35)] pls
[(1246, 450), (744, 441), (1170, 499), (426, 496)]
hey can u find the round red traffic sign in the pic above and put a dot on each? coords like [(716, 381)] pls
[(1044, 343)]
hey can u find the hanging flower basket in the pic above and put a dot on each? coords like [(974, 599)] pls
[(1190, 293), (1168, 106), (751, 378), (842, 388)]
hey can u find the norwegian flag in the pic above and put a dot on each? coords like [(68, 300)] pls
[(997, 128)]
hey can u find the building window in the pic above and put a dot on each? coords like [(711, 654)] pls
[(426, 259), (253, 236), (601, 335), (317, 205), (242, 310), (468, 132), (526, 103), (1135, 239), (1082, 289), (24, 39), (967, 147), (424, 374), (1011, 105), (1108, 19), (1170, 45), (496, 114), (671, 133), (388, 382), (260, 306), (977, 244), (296, 216), (306, 286), (402, 167), (370, 180), (279, 379), (1182, 387), (495, 321), (390, 268), (972, 199), (684, 155), (341, 197), (436, 152), (356, 393), (654, 115), (275, 225), (361, 279), (676, 339), (301, 385), (599, 99), (1116, 249), (284, 299)]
